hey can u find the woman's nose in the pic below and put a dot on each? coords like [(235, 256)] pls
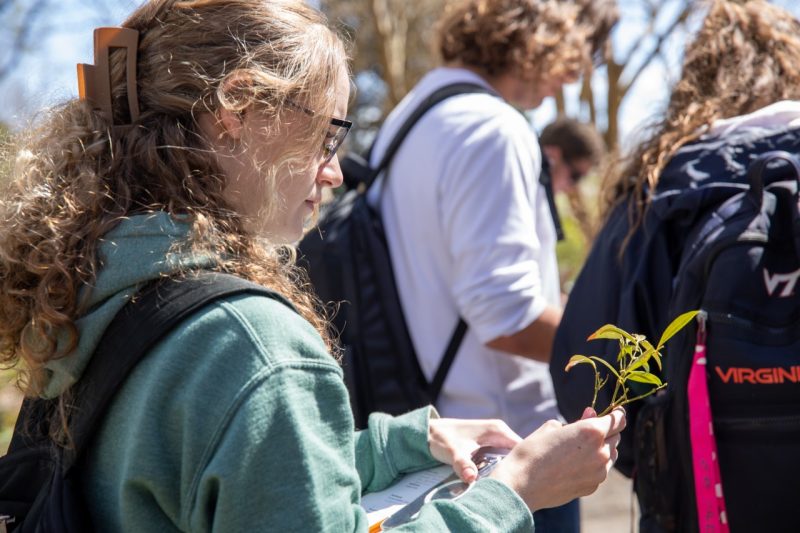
[(330, 175)]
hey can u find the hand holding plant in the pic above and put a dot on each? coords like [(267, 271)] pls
[(633, 360)]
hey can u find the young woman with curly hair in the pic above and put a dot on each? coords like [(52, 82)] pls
[(738, 97), (210, 155)]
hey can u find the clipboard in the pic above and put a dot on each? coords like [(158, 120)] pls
[(402, 502)]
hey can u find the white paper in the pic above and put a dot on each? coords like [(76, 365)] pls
[(382, 504)]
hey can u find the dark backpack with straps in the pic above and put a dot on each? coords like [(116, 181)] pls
[(740, 266), (40, 486), (348, 261)]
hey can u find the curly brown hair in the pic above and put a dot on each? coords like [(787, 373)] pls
[(536, 39), (76, 177), (745, 56)]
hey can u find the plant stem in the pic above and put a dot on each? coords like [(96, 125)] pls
[(614, 404), (597, 386), (651, 391)]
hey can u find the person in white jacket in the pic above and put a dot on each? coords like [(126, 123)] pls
[(468, 224)]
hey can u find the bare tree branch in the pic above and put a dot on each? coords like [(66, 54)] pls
[(656, 51), (642, 38), (23, 32), (587, 96), (561, 103)]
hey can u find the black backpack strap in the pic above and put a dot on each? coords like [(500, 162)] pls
[(136, 328), (437, 96), (546, 179), (435, 387)]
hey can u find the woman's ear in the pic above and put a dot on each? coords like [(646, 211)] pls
[(221, 127), (231, 123)]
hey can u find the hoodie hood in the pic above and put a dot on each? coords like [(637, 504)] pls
[(140, 249), (714, 167)]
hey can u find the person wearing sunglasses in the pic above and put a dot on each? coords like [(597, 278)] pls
[(211, 155), (570, 150)]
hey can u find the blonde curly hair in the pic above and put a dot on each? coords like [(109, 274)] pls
[(76, 177), (535, 39), (745, 56)]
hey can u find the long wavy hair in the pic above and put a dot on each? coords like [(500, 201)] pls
[(536, 39), (75, 177), (745, 56)]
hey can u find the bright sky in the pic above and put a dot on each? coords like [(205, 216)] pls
[(46, 75)]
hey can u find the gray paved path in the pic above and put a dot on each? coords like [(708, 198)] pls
[(609, 509)]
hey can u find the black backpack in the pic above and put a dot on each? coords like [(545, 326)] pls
[(40, 489), (348, 262), (740, 266)]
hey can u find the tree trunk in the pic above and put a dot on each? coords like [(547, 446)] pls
[(391, 24), (615, 95)]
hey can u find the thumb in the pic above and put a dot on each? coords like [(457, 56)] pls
[(588, 413), (464, 468)]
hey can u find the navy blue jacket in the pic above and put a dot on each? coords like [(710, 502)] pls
[(634, 291)]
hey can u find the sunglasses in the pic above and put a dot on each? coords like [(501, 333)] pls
[(335, 135), (575, 174)]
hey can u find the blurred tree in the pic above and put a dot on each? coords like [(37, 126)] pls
[(392, 46), (391, 50), (622, 71), (18, 22), (392, 40), (391, 37)]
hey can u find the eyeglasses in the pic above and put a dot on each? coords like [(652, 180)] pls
[(333, 137)]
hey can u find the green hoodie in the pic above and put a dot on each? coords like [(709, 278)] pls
[(239, 420)]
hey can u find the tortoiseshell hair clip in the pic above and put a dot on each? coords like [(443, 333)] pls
[(94, 81)]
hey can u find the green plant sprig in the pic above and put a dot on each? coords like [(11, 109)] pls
[(633, 360)]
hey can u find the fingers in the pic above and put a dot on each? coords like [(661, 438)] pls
[(610, 450), (464, 468), (612, 423), (613, 442), (618, 421), (605, 433), (500, 435), (453, 441)]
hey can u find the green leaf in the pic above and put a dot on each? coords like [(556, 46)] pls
[(607, 365), (610, 331), (578, 359), (644, 377), (643, 359), (676, 326), (651, 353), (626, 350)]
